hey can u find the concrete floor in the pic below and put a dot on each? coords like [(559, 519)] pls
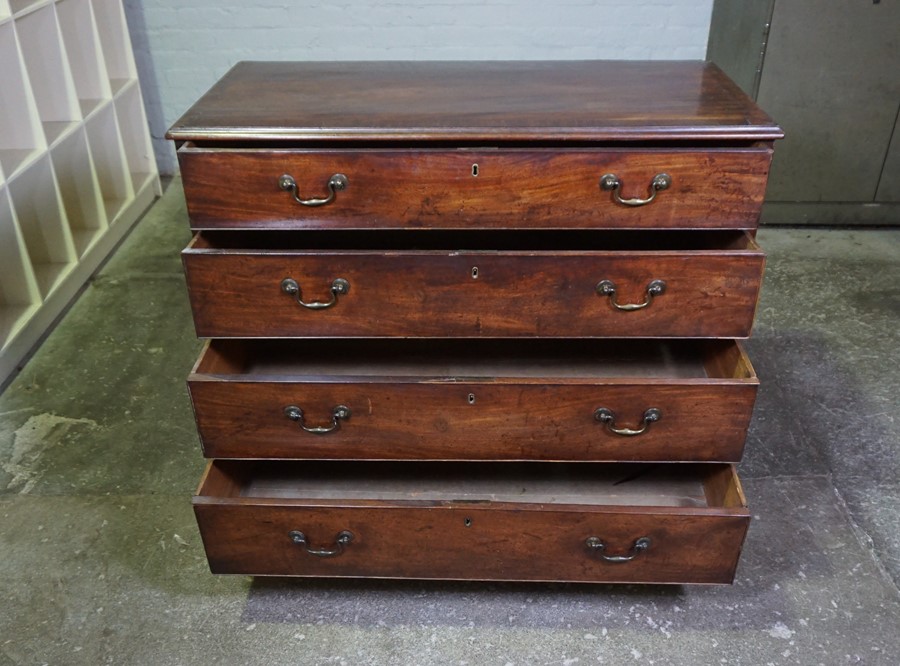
[(100, 561)]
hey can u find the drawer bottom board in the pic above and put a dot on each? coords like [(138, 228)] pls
[(525, 522)]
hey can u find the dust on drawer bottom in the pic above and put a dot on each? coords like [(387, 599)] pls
[(629, 523)]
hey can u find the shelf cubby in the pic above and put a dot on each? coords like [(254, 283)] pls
[(19, 295), (21, 137), (48, 72), (76, 169), (81, 40), (108, 154), (80, 190), (21, 7), (117, 54), (37, 205), (138, 150)]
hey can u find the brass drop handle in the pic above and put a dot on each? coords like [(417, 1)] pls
[(610, 182), (608, 417), (342, 539), (337, 183), (338, 413), (598, 546), (292, 288), (608, 288)]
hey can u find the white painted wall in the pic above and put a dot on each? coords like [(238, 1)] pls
[(182, 48)]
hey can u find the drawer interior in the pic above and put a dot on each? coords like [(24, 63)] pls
[(698, 486), (486, 360), (477, 240)]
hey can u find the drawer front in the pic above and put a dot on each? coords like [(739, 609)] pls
[(459, 420), (460, 294), (471, 542), (478, 188)]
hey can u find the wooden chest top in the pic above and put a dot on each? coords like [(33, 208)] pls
[(503, 101)]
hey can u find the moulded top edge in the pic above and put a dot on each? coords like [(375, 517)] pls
[(475, 134)]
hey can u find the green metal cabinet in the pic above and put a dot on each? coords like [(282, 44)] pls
[(829, 73)]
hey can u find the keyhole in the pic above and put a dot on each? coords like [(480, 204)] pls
[(471, 398), (467, 522), (475, 171), (474, 272)]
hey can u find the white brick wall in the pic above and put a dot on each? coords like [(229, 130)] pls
[(182, 50)]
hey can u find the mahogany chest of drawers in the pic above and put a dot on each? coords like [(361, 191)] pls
[(462, 315)]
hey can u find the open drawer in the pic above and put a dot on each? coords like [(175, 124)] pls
[(541, 522), (600, 400), (677, 284)]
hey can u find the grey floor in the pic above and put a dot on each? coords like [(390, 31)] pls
[(100, 561)]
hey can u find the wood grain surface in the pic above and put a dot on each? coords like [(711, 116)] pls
[(457, 101), (554, 188)]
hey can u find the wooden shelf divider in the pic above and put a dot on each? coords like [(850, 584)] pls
[(48, 72)]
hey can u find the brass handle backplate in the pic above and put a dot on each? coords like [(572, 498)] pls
[(610, 182), (608, 288), (337, 183), (342, 539), (608, 417), (338, 413), (598, 546), (292, 288)]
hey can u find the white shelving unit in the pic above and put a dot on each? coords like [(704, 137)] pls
[(76, 164)]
